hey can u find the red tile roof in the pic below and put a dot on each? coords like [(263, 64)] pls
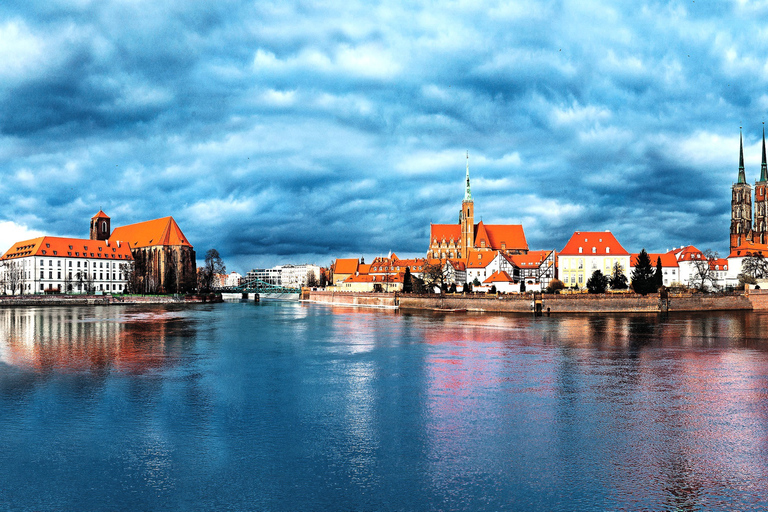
[(457, 264), (532, 259), (512, 235), (151, 233), (444, 231), (499, 277), (687, 253), (100, 215), (345, 266), (69, 248), (748, 249), (667, 259), (603, 241), (480, 259)]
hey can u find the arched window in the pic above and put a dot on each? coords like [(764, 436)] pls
[(104, 226)]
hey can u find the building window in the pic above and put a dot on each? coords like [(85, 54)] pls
[(580, 250), (594, 250)]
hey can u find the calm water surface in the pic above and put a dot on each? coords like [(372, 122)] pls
[(288, 407)]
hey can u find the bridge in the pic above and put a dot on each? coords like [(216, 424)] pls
[(262, 288)]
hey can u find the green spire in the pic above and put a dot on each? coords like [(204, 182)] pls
[(742, 178), (763, 168), (468, 192)]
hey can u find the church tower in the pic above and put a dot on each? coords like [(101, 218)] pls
[(100, 226), (761, 202), (741, 204), (467, 220)]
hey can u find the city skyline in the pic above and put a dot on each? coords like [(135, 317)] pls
[(297, 132)]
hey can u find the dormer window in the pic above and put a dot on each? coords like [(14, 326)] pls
[(580, 250), (607, 250), (594, 250)]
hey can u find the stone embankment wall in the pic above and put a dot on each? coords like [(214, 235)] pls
[(759, 299), (380, 300), (576, 303)]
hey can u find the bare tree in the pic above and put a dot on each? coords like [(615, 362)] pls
[(213, 265), (704, 276), (755, 265), (434, 275), (14, 273), (311, 279)]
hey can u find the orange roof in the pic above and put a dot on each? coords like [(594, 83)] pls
[(457, 264), (369, 278), (150, 233), (480, 259), (718, 264), (687, 253), (100, 215), (602, 241), (532, 259), (345, 266), (667, 259), (499, 277), (447, 231), (68, 248), (749, 249), (511, 235), (481, 236), (363, 268)]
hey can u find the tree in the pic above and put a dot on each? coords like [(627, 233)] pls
[(213, 265), (703, 274), (311, 279), (323, 279), (643, 275), (746, 279), (597, 283), (452, 288), (555, 285), (475, 281), (755, 265), (434, 275), (658, 278), (407, 281), (618, 281), (493, 289), (467, 288)]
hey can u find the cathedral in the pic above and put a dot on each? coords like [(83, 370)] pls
[(458, 241), (743, 229)]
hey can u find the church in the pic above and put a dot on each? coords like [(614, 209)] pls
[(746, 234), (460, 241), (163, 258)]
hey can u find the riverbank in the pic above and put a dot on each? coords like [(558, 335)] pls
[(102, 300), (574, 303)]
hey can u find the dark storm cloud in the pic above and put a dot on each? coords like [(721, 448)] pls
[(282, 132)]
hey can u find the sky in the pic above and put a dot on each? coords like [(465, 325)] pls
[(293, 132)]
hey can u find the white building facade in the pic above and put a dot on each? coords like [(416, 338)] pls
[(65, 265)]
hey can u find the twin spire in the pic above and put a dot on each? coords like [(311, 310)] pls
[(468, 192), (763, 166)]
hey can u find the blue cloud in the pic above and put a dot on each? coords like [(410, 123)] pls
[(295, 131)]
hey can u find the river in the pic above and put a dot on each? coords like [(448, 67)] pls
[(289, 406)]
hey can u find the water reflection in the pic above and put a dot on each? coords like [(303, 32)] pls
[(93, 339), (295, 407)]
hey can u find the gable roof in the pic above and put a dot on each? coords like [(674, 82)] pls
[(603, 241), (481, 235), (667, 259), (499, 277), (480, 259), (151, 233), (68, 248), (687, 253), (749, 249), (447, 231), (345, 266), (512, 235), (532, 259), (100, 215)]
